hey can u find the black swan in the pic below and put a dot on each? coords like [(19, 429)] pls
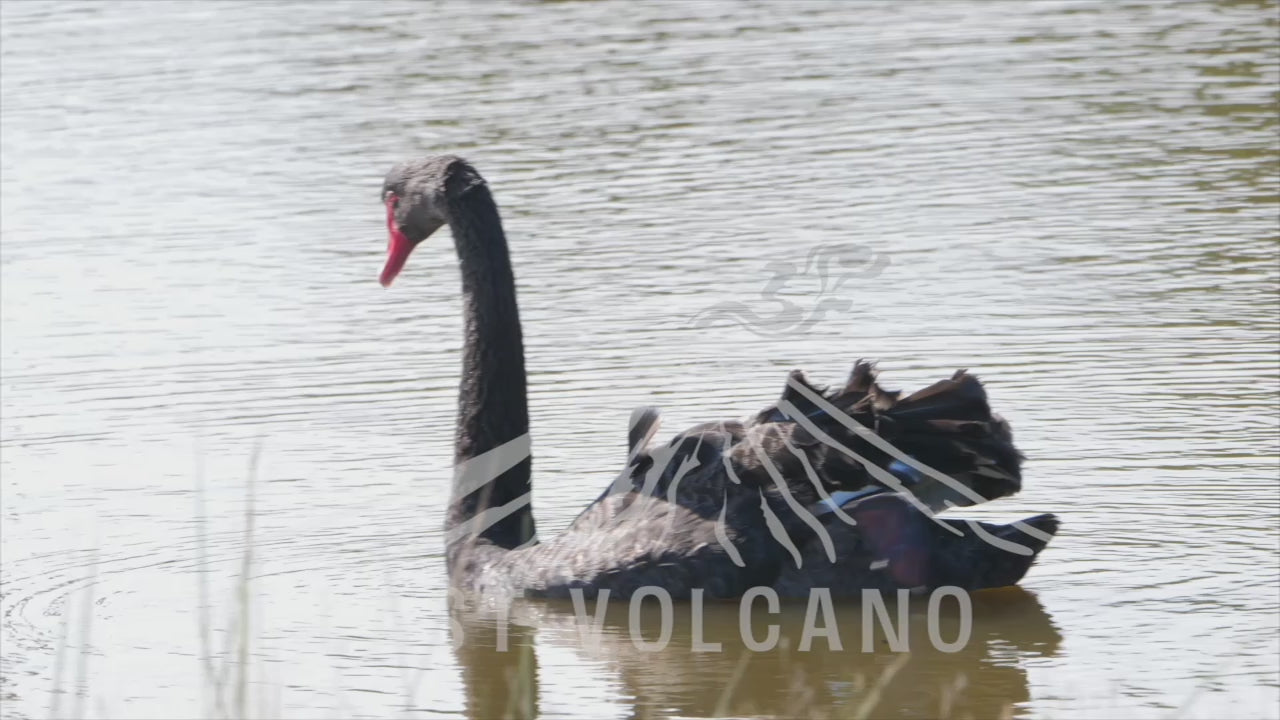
[(833, 488)]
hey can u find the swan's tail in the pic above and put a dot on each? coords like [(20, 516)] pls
[(1000, 566), (942, 444), (918, 550)]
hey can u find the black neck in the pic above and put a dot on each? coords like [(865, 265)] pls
[(492, 402)]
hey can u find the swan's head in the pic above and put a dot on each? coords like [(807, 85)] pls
[(418, 196)]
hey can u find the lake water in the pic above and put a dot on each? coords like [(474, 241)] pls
[(1078, 201)]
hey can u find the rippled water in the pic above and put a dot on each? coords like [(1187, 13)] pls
[(1079, 201)]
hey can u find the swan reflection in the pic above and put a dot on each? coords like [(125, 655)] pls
[(545, 643)]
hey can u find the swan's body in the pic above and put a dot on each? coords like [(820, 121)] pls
[(797, 497)]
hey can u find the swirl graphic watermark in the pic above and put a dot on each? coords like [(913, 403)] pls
[(799, 295)]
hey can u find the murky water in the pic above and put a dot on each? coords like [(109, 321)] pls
[(1076, 200)]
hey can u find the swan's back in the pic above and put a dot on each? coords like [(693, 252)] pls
[(725, 506)]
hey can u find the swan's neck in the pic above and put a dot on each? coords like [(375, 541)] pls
[(493, 415)]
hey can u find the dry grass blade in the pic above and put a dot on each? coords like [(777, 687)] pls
[(872, 700)]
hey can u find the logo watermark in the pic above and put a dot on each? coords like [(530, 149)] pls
[(800, 294), (820, 629)]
